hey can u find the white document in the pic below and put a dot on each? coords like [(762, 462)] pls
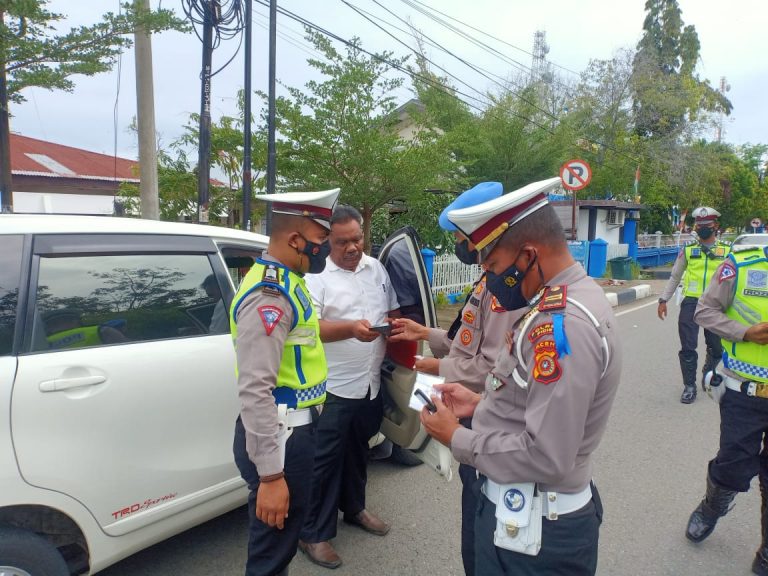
[(425, 383)]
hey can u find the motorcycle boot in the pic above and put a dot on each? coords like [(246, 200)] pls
[(688, 369), (716, 503)]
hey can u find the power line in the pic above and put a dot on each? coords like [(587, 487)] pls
[(483, 32)]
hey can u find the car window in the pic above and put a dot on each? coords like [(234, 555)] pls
[(239, 262), (10, 277), (84, 301)]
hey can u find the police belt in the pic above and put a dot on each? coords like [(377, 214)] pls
[(300, 417), (748, 387), (553, 504)]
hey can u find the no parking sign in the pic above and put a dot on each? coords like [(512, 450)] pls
[(575, 174)]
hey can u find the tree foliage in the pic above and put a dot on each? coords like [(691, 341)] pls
[(342, 131), (35, 53)]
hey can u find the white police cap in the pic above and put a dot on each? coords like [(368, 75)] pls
[(486, 222), (704, 214), (316, 205)]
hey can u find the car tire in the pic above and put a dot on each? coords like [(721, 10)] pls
[(404, 457), (24, 553)]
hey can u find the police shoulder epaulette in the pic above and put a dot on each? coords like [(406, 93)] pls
[(553, 298), (271, 275)]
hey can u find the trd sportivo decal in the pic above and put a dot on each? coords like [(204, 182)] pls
[(139, 507)]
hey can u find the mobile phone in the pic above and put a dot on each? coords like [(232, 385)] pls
[(427, 401), (383, 329)]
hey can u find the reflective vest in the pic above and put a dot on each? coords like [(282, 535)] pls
[(700, 267), (80, 337), (750, 306), (303, 369)]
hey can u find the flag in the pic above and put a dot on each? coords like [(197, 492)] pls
[(637, 181)]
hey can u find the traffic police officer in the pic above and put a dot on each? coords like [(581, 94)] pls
[(281, 377), (546, 401), (696, 264), (735, 306), (468, 350)]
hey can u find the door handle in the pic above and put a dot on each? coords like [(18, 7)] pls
[(68, 383)]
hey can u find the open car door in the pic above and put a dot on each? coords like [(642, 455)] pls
[(401, 256)]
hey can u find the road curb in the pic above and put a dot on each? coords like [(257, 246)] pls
[(628, 294)]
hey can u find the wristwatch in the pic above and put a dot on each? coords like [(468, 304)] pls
[(662, 301)]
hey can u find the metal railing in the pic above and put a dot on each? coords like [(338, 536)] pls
[(663, 240), (449, 275)]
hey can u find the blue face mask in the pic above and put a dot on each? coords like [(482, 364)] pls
[(508, 286)]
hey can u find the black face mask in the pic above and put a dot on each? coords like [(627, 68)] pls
[(508, 286), (317, 253), (464, 254), (705, 233)]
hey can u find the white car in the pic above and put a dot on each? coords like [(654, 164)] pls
[(118, 389), (751, 240)]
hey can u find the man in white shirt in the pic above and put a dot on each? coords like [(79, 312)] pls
[(351, 295)]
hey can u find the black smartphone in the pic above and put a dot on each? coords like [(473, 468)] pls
[(427, 401), (383, 329)]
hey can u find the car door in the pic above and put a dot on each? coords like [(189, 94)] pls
[(125, 398), (401, 256)]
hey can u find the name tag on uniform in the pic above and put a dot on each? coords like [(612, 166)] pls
[(304, 301)]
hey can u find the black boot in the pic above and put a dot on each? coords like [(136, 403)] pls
[(709, 364), (688, 369), (716, 503), (760, 564)]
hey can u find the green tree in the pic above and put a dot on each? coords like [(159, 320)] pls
[(34, 53), (667, 91), (342, 131)]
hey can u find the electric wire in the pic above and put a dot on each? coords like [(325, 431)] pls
[(227, 20)]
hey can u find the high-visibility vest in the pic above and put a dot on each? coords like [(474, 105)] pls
[(749, 306), (701, 267), (79, 337), (301, 378)]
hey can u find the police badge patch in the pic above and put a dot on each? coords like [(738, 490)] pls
[(757, 279), (270, 317), (546, 368), (727, 271)]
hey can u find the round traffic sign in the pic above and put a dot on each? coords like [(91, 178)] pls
[(575, 174)]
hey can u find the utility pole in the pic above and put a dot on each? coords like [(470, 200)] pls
[(145, 107), (271, 154), (6, 185), (247, 121), (204, 153)]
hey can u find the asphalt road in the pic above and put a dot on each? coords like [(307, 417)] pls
[(650, 470)]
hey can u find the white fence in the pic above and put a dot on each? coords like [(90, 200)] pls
[(617, 250), (449, 275), (663, 240)]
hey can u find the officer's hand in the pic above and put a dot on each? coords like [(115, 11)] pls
[(406, 329), (662, 311), (757, 333), (361, 329), (459, 399), (428, 366), (442, 424), (272, 503)]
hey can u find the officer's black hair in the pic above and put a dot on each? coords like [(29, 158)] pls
[(344, 213), (542, 227)]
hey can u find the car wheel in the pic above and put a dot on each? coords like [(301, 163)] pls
[(24, 553), (404, 457)]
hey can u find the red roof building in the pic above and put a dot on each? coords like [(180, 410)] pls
[(49, 177)]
